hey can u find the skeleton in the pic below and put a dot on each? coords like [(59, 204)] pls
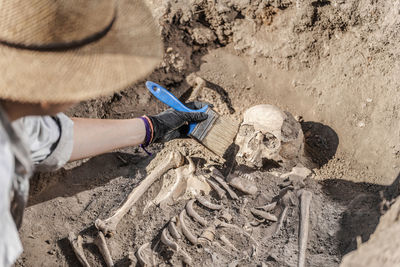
[(174, 160), (268, 133)]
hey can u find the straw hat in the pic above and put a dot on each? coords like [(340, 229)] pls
[(70, 50)]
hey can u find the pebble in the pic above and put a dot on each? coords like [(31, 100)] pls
[(361, 124)]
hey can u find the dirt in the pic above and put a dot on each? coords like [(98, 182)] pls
[(332, 64)]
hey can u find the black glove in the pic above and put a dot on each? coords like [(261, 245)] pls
[(172, 124)]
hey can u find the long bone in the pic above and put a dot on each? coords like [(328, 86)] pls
[(217, 175), (192, 213), (174, 160), (101, 243), (305, 200), (76, 243)]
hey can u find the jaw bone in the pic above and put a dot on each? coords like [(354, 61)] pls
[(182, 184)]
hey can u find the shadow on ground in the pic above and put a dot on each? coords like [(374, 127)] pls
[(93, 173), (363, 212)]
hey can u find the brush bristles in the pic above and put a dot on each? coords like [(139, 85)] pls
[(220, 136)]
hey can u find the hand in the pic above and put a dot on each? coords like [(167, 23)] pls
[(172, 124)]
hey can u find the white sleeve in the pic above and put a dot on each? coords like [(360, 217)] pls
[(10, 244), (50, 139)]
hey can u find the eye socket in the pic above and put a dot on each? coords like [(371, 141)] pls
[(270, 141)]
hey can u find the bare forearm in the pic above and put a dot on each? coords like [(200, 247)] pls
[(97, 136)]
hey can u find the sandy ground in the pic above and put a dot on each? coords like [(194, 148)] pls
[(334, 63)]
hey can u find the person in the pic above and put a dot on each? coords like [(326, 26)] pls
[(54, 54)]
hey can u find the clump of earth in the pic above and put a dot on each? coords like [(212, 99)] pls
[(334, 65)]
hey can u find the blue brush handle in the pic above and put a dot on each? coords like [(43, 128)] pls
[(170, 100)]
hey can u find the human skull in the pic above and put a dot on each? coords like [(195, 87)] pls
[(268, 133)]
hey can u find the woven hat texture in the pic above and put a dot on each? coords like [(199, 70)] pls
[(71, 50)]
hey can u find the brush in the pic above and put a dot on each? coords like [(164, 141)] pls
[(215, 133)]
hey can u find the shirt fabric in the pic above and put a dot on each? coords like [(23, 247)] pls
[(42, 143)]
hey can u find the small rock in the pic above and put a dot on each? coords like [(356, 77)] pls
[(226, 215), (361, 124)]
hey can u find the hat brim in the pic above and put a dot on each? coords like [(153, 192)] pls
[(129, 51)]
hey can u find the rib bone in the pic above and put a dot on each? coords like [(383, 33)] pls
[(76, 243), (144, 257), (268, 207), (101, 243), (185, 230), (227, 242), (174, 246), (305, 200), (173, 230), (215, 186), (208, 204), (174, 160), (232, 226), (166, 241), (265, 215), (217, 175), (192, 213)]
